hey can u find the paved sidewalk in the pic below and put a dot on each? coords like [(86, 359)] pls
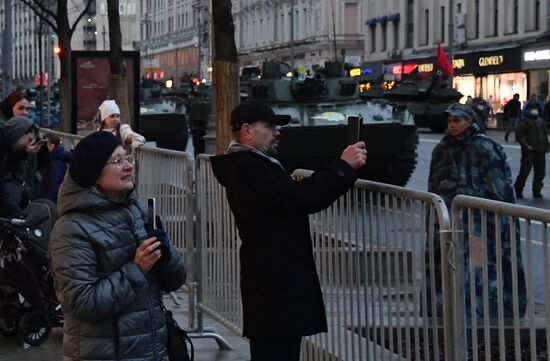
[(205, 349)]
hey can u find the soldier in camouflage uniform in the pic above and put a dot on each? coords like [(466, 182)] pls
[(468, 162), (532, 134)]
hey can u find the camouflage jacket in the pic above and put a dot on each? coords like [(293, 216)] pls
[(532, 132), (471, 164)]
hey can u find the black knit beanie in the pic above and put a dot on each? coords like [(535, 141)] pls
[(90, 156)]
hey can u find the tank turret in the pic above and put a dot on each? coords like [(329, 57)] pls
[(426, 99)]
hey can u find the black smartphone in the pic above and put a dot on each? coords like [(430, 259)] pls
[(151, 213), (355, 123)]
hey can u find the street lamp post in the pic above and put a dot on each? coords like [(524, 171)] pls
[(451, 38)]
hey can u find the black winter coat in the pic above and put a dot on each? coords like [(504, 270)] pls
[(280, 289)]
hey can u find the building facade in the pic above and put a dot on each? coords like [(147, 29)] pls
[(305, 32), (32, 45), (489, 41), (174, 35)]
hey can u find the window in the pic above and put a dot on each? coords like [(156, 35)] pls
[(476, 29), (396, 34), (537, 15), (516, 12), (427, 35), (350, 14), (410, 24), (372, 38), (495, 18), (442, 24), (384, 36)]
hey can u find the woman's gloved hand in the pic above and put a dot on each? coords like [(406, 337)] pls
[(165, 242)]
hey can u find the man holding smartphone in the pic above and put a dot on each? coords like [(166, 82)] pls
[(281, 293)]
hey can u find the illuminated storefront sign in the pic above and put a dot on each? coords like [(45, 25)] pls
[(355, 72), (494, 60), (536, 57)]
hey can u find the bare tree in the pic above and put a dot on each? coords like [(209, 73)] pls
[(225, 80), (55, 14), (117, 79)]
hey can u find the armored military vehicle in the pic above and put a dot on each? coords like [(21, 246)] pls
[(319, 105), (426, 99)]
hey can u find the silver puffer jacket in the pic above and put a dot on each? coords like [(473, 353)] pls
[(112, 310)]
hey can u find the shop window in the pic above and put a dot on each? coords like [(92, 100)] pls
[(410, 24)]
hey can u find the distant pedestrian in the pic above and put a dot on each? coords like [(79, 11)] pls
[(110, 122), (281, 294), (468, 162), (469, 100), (490, 104), (546, 113), (55, 172), (532, 135), (512, 112)]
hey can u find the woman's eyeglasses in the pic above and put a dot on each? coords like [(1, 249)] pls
[(120, 160)]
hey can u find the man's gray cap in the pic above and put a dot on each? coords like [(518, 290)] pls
[(18, 126), (460, 110)]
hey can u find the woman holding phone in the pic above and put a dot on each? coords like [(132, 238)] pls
[(109, 270)]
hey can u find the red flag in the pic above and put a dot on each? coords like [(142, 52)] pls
[(443, 62)]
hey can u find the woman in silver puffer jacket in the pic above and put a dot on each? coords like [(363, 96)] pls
[(108, 272)]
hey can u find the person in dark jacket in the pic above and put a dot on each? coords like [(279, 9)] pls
[(54, 174), (468, 162), (24, 171), (532, 135), (16, 135), (512, 112), (281, 293), (108, 270)]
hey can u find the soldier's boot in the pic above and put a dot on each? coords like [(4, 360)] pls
[(519, 193)]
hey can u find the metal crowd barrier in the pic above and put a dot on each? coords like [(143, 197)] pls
[(369, 250), (400, 282), (511, 316), (69, 140)]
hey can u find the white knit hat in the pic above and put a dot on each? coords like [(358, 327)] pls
[(107, 108)]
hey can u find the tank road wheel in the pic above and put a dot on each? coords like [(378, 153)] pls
[(404, 164), (35, 328), (10, 314)]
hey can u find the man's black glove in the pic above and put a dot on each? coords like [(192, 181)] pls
[(162, 237)]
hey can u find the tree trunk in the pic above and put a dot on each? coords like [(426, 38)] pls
[(117, 80), (225, 81), (119, 93), (225, 96)]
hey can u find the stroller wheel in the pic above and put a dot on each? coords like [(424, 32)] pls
[(10, 314), (35, 328)]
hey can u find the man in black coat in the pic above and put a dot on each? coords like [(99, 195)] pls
[(281, 293)]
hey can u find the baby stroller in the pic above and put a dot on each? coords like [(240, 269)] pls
[(28, 306)]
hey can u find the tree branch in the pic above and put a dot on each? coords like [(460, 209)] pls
[(73, 28), (40, 10)]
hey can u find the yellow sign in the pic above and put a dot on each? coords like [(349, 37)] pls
[(459, 63), (491, 60), (426, 68), (355, 72)]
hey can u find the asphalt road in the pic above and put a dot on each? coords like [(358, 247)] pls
[(429, 140)]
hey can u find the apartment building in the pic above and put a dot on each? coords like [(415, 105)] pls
[(307, 32), (32, 45), (174, 34), (499, 45)]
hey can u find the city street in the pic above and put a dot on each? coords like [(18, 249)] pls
[(429, 140)]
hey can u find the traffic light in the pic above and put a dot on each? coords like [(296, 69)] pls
[(57, 50)]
